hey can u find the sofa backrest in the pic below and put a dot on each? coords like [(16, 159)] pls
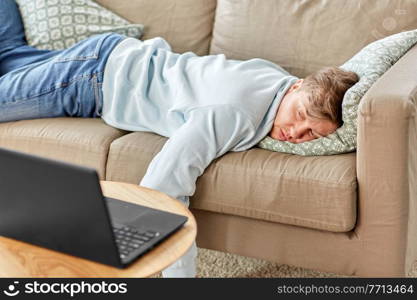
[(185, 24), (305, 35)]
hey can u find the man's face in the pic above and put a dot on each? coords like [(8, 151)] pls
[(292, 124)]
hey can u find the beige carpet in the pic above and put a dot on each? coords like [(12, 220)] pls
[(215, 264)]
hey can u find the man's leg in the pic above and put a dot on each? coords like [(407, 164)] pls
[(186, 265), (14, 51), (67, 85), (11, 27), (44, 84)]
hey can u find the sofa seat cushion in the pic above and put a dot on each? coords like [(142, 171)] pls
[(74, 140), (314, 192)]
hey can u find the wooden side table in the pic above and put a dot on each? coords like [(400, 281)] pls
[(19, 259)]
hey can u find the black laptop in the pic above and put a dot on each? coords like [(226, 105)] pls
[(60, 206)]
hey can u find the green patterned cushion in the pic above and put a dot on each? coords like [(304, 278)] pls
[(58, 24), (370, 64)]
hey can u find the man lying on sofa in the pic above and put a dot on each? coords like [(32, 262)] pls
[(206, 105)]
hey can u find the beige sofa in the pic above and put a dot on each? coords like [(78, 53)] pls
[(352, 214)]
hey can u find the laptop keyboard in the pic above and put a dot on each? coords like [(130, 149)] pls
[(128, 239)]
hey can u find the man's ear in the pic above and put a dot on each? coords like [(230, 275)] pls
[(296, 85)]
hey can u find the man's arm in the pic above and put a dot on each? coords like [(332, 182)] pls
[(207, 134)]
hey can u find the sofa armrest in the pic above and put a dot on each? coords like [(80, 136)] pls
[(387, 166)]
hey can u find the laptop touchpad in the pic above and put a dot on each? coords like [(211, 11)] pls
[(123, 213)]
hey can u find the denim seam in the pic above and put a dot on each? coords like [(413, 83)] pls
[(75, 58), (14, 102), (56, 87)]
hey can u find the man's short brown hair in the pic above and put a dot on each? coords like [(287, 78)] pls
[(326, 89)]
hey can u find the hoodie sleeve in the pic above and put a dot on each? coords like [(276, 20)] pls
[(208, 133), (157, 43)]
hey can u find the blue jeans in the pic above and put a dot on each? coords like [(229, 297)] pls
[(45, 84)]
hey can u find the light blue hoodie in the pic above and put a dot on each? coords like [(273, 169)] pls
[(206, 105)]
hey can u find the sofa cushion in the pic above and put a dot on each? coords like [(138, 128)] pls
[(304, 36), (314, 192), (74, 140), (185, 24)]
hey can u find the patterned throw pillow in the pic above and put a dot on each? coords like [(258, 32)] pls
[(370, 64), (58, 24)]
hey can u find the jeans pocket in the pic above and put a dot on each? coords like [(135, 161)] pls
[(88, 49), (79, 98)]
